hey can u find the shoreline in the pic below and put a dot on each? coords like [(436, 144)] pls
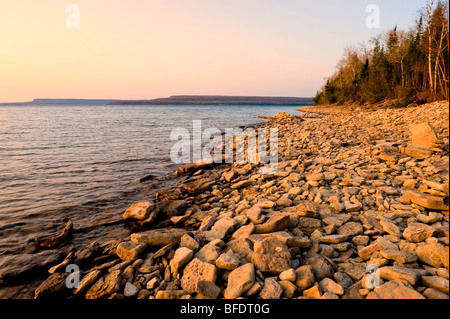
[(342, 200)]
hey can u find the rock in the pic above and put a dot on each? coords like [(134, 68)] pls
[(400, 273), (309, 225), (334, 239), (426, 201), (355, 270), (418, 232), (171, 208), (55, 284), (321, 267), (240, 247), (399, 256), (171, 294), (182, 256), (351, 229), (394, 290), (105, 286), (130, 251), (130, 290), (416, 152), (271, 255), (221, 229), (196, 271), (289, 289), (288, 275), (141, 211), (284, 201), (168, 194), (240, 281), (272, 290), (230, 176), (193, 167), (328, 285), (210, 252), (159, 237), (241, 184), (17, 267), (354, 292), (391, 228), (435, 255), (431, 293), (189, 242), (266, 204), (305, 277), (423, 135), (437, 283), (255, 215), (389, 190), (53, 240), (275, 223), (351, 207), (312, 293), (87, 281), (227, 262), (343, 280), (244, 231), (314, 177), (198, 186), (208, 290)]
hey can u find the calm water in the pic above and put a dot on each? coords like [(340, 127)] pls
[(82, 163)]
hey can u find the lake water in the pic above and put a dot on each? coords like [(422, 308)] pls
[(82, 163)]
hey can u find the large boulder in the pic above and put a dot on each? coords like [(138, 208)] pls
[(196, 271), (271, 255)]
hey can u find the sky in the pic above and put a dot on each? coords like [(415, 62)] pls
[(142, 49)]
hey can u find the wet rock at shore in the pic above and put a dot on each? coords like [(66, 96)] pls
[(17, 267), (159, 237)]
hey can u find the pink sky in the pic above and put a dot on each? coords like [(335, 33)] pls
[(140, 49)]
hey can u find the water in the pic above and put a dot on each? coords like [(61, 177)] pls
[(82, 163)]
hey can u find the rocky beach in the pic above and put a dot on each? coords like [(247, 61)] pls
[(358, 209)]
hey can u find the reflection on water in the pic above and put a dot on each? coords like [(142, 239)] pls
[(82, 163)]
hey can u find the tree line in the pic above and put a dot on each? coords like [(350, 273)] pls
[(407, 66)]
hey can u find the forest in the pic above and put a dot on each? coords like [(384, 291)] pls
[(406, 66)]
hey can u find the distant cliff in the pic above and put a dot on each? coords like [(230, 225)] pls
[(218, 100), (59, 102)]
